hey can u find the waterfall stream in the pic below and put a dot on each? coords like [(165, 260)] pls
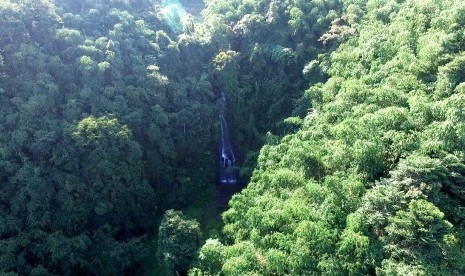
[(228, 164)]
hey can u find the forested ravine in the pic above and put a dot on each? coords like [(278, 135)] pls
[(337, 147), (110, 124)]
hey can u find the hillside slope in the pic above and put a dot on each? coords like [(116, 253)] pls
[(373, 181)]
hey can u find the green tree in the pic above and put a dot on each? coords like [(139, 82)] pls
[(178, 241)]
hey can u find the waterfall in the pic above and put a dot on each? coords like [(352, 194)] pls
[(228, 166)]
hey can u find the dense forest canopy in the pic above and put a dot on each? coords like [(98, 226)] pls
[(373, 180), (348, 116)]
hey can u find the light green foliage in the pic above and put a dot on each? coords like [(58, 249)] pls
[(421, 226), (213, 252), (370, 182)]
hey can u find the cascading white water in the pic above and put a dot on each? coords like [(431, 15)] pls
[(228, 166)]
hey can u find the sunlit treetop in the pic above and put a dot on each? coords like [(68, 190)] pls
[(173, 13)]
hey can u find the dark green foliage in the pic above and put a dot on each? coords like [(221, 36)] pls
[(109, 117), (263, 55), (178, 241), (102, 128)]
